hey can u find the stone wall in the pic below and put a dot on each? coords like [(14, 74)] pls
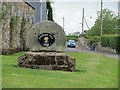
[(16, 20), (0, 27), (106, 49), (6, 25), (84, 42)]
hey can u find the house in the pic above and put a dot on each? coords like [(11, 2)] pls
[(17, 19), (40, 10)]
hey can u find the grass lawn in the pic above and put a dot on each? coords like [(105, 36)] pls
[(93, 71)]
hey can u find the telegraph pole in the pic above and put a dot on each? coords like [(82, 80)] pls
[(63, 22), (83, 20), (101, 32)]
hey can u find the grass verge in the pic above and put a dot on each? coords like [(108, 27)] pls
[(93, 71)]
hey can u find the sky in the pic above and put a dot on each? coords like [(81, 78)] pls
[(72, 12)]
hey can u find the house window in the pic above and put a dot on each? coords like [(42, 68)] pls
[(29, 16), (47, 11), (24, 14), (12, 8), (33, 20), (18, 12)]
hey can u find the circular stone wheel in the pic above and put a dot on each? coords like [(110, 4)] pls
[(46, 35)]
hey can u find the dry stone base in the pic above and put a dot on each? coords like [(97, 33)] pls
[(47, 60)]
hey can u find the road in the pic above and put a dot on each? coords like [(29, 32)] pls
[(80, 48)]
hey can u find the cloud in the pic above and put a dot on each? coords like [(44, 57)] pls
[(72, 13)]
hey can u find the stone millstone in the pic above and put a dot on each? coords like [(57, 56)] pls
[(46, 41), (46, 27), (47, 60)]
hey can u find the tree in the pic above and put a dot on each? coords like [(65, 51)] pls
[(118, 26), (110, 21), (76, 33), (50, 11)]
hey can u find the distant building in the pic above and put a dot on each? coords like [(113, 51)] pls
[(17, 19), (40, 10)]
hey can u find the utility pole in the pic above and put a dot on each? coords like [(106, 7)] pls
[(101, 32), (83, 20), (63, 22)]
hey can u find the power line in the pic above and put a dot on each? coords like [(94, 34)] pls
[(84, 19), (86, 23)]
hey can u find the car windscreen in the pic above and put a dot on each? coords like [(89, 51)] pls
[(71, 41)]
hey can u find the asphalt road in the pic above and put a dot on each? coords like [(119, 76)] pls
[(70, 49), (80, 48)]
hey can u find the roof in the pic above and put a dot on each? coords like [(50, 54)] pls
[(28, 4)]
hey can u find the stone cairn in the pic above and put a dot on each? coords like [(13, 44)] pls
[(46, 41)]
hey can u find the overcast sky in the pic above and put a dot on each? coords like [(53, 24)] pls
[(72, 12)]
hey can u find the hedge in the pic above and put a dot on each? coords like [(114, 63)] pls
[(105, 41), (72, 38), (111, 41)]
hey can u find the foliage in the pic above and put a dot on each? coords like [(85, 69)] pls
[(111, 41), (92, 71), (50, 11), (110, 21), (13, 22), (72, 37), (118, 26), (22, 33), (74, 34), (13, 25), (23, 23), (105, 41), (85, 35), (95, 37)]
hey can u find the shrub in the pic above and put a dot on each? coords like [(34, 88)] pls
[(14, 22), (111, 41), (105, 41), (86, 36)]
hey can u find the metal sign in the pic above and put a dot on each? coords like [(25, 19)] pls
[(46, 39)]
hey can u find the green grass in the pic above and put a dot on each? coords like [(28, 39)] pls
[(93, 71)]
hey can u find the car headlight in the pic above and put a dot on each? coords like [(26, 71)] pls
[(68, 43)]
